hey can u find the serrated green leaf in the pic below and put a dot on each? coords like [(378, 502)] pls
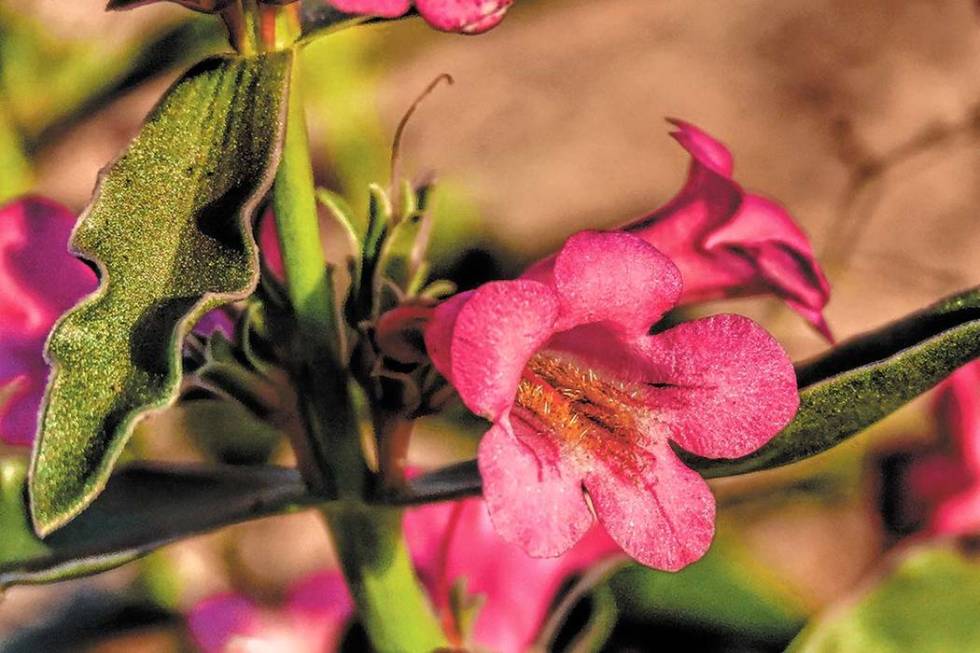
[(927, 604), (169, 228), (865, 379), (143, 508)]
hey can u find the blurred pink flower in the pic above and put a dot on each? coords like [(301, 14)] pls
[(39, 280), (948, 482), (453, 542), (583, 400), (466, 16), (727, 242), (312, 621)]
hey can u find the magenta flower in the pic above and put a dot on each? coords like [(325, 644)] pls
[(584, 402), (313, 620), (466, 16), (39, 280), (453, 542), (948, 482), (727, 242)]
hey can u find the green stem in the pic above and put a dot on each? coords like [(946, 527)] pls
[(329, 457), (391, 605), (369, 541)]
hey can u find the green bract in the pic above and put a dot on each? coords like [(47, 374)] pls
[(169, 229)]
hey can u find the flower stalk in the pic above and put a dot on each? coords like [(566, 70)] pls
[(368, 541)]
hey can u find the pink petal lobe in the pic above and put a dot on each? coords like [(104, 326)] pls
[(39, 280), (662, 516), (217, 621), (496, 332), (382, 8), (439, 332), (730, 387), (535, 500), (268, 238), (456, 541), (467, 16), (704, 148), (957, 409), (765, 233), (613, 277), (319, 608)]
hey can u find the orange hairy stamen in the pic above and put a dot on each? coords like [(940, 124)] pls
[(581, 408)]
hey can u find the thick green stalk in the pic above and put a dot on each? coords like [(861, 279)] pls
[(330, 456), (369, 541), (393, 609)]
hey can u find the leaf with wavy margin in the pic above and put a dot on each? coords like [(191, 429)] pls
[(169, 229)]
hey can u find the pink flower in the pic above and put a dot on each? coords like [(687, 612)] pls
[(948, 482), (583, 401), (313, 620), (727, 242), (466, 16), (453, 542), (39, 280)]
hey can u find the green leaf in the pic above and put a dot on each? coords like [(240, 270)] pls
[(143, 507), (927, 604), (169, 229), (863, 380)]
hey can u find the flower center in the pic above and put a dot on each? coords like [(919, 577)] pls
[(581, 409)]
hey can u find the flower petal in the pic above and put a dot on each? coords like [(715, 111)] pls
[(494, 335), (320, 608), (382, 8), (468, 16), (663, 516), (39, 280), (729, 386), (727, 242), (764, 232), (534, 500), (439, 332), (706, 150), (216, 622), (957, 409), (613, 277)]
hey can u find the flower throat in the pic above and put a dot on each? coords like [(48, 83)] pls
[(578, 407)]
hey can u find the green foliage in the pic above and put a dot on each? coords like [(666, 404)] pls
[(863, 380), (927, 604), (725, 591), (169, 228), (143, 508)]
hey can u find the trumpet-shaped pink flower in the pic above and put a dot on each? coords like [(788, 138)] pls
[(466, 16), (585, 403), (948, 482), (727, 242), (39, 280)]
